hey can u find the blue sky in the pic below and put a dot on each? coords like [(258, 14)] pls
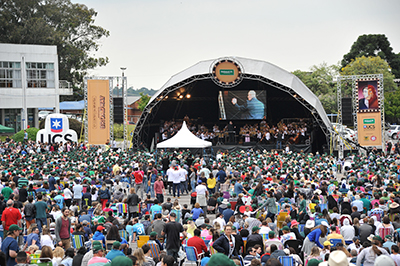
[(156, 39)]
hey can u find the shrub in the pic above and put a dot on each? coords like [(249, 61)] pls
[(31, 134)]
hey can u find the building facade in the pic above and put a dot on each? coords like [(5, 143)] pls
[(28, 81)]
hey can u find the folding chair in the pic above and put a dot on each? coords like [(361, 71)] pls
[(35, 261), (77, 241), (109, 244), (142, 240), (323, 206), (154, 213), (286, 261), (281, 218), (265, 237), (301, 229), (192, 255), (212, 251), (123, 234), (154, 250), (335, 241)]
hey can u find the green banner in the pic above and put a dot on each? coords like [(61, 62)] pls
[(227, 72), (369, 121)]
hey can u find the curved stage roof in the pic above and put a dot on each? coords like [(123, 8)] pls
[(261, 71)]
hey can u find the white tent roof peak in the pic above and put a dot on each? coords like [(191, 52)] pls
[(184, 139)]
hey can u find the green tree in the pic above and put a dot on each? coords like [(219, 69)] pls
[(144, 100), (374, 45), (19, 136), (62, 23), (320, 81), (376, 65)]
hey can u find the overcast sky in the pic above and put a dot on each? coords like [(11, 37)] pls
[(156, 39)]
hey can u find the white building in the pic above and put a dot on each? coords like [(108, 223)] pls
[(28, 81)]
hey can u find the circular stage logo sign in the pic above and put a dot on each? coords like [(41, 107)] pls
[(226, 72), (373, 138)]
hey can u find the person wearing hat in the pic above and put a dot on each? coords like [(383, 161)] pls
[(114, 252), (153, 240), (368, 255), (337, 258), (287, 234), (254, 239), (314, 237), (388, 242), (326, 250), (10, 245), (99, 236), (98, 253)]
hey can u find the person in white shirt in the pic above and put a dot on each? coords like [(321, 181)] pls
[(220, 219), (347, 231), (201, 198), (264, 229), (395, 254), (184, 182), (78, 189), (355, 245)]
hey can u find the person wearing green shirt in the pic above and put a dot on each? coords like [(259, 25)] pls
[(271, 206), (302, 207), (41, 216), (6, 191), (366, 203)]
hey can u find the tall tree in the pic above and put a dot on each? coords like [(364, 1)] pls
[(143, 101), (374, 45), (320, 81), (62, 23), (376, 65)]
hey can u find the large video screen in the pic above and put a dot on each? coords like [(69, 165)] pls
[(242, 105)]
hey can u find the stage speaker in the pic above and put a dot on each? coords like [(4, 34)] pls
[(118, 110), (347, 111)]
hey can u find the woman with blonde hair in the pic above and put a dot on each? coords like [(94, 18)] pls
[(139, 254), (33, 225), (58, 255), (32, 249), (46, 239), (217, 227)]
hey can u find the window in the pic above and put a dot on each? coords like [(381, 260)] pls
[(40, 75), (10, 75)]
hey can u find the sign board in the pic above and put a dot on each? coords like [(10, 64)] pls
[(226, 72), (98, 111), (369, 129), (56, 130)]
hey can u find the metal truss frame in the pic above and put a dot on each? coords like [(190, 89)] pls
[(111, 88), (151, 109), (354, 79), (125, 104)]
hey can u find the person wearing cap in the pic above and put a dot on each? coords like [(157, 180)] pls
[(153, 240), (326, 250), (388, 242), (287, 234), (336, 258), (114, 252), (63, 229), (10, 246), (368, 255), (99, 236), (255, 238), (98, 253), (10, 216)]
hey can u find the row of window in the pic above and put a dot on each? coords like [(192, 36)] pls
[(38, 75)]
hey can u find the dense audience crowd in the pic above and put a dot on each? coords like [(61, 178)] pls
[(75, 204)]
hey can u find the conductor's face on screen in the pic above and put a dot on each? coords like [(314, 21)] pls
[(365, 92), (251, 95)]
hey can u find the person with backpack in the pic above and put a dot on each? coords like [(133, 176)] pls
[(30, 212), (104, 195)]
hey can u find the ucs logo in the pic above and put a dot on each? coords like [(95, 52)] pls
[(369, 127)]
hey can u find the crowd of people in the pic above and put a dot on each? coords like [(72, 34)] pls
[(281, 134), (83, 205)]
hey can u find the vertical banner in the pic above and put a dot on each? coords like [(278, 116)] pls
[(369, 128), (98, 112), (369, 121)]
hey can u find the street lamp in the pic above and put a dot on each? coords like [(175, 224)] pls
[(123, 106)]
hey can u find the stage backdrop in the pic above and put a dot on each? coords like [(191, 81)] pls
[(98, 111), (369, 124)]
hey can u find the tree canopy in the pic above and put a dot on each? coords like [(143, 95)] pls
[(143, 101), (373, 45), (62, 23), (320, 81)]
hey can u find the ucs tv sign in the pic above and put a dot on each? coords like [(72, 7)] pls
[(56, 130)]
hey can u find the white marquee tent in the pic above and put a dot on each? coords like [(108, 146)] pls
[(184, 139)]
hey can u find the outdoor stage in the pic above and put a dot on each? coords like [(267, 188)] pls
[(215, 92)]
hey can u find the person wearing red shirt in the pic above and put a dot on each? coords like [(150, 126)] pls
[(138, 174), (159, 189), (10, 216), (197, 242)]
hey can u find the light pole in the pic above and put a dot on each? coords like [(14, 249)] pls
[(123, 107)]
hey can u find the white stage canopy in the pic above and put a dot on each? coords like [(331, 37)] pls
[(184, 139)]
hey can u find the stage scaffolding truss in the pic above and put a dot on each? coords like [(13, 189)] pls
[(151, 109)]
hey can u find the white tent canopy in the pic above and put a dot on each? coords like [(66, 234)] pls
[(184, 139)]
